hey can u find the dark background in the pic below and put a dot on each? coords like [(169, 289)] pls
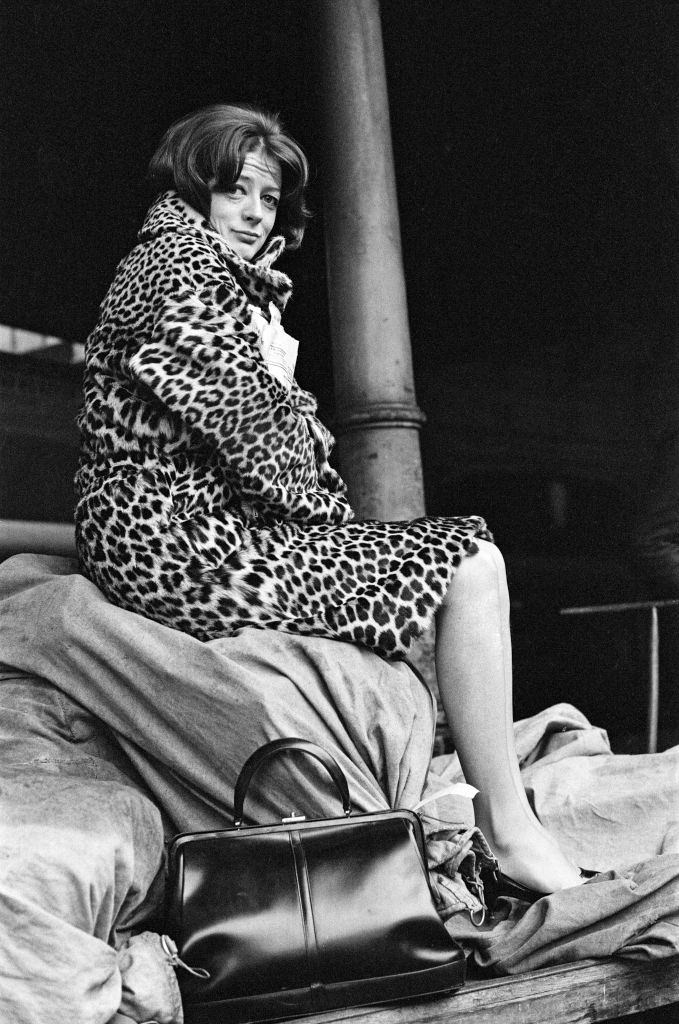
[(536, 154)]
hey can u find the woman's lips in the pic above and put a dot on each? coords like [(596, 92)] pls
[(247, 236)]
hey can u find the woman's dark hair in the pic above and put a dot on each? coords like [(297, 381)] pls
[(210, 145)]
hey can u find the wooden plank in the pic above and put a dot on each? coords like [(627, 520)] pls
[(581, 993)]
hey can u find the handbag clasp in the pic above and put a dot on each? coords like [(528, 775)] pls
[(293, 817)]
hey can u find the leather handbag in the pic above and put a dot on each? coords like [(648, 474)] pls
[(298, 916)]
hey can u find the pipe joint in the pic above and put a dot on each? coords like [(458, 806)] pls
[(379, 415)]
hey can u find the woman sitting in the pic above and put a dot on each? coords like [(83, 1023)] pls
[(206, 500)]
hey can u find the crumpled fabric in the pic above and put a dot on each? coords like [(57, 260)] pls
[(457, 857), (633, 913), (150, 991), (618, 815), (79, 863), (181, 717), (81, 870)]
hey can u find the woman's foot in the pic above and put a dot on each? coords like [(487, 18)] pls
[(534, 859)]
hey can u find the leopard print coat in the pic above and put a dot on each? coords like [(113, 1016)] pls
[(205, 498)]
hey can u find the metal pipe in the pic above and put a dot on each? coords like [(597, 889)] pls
[(653, 683), (378, 419), (19, 536), (622, 606)]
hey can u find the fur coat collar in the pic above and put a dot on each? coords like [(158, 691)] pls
[(170, 214)]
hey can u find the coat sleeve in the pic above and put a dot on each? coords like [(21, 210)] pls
[(204, 365)]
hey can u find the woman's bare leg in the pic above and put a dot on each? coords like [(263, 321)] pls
[(473, 663)]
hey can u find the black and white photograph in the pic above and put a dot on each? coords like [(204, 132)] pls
[(339, 511)]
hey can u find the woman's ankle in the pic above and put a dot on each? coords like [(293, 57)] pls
[(533, 858)]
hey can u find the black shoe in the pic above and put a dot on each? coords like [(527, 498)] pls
[(498, 884)]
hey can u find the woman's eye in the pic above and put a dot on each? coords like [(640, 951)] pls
[(271, 201), (235, 190)]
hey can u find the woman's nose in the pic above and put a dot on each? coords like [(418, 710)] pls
[(253, 209)]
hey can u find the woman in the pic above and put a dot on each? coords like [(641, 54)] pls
[(206, 500)]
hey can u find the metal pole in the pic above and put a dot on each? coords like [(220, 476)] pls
[(378, 419), (653, 692), (653, 683)]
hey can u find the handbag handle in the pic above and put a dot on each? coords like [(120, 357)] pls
[(276, 747)]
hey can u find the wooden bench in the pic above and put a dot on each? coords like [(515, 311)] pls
[(587, 991)]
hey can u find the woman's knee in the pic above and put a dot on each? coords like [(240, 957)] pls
[(479, 573)]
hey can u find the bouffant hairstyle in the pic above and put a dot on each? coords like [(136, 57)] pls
[(205, 151)]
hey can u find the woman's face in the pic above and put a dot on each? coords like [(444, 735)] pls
[(245, 214)]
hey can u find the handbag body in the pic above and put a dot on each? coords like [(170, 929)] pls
[(302, 916)]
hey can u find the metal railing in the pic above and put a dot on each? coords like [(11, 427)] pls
[(653, 686)]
